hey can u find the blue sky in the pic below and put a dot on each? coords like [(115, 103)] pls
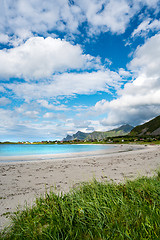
[(83, 65)]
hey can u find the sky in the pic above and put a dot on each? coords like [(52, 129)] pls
[(77, 65)]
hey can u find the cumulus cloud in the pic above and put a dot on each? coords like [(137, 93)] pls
[(20, 37), (49, 115), (8, 120), (31, 114), (140, 99), (146, 26), (4, 101), (124, 73), (60, 68), (40, 57), (54, 116), (44, 16), (67, 84), (108, 61), (45, 104), (4, 38), (112, 15), (14, 128), (67, 16), (107, 16), (146, 63), (2, 89)]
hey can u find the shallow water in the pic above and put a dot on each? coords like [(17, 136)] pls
[(26, 149)]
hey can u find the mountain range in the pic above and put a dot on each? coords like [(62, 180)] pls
[(121, 131), (151, 127)]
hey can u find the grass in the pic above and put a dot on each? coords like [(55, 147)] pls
[(93, 211)]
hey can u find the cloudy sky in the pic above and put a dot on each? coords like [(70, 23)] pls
[(69, 65)]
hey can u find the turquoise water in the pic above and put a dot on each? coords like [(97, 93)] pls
[(25, 149)]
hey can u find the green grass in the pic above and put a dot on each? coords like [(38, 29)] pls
[(93, 211)]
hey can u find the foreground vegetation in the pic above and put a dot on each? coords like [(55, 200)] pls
[(93, 211)]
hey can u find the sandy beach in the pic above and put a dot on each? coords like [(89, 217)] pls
[(26, 177)]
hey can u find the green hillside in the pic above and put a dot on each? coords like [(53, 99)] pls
[(121, 131), (149, 128)]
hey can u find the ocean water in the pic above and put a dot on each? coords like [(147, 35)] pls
[(26, 149)]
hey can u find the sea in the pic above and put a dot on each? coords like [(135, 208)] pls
[(39, 149)]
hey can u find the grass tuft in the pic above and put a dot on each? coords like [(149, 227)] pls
[(95, 210)]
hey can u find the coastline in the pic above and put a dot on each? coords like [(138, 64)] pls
[(28, 176), (114, 148)]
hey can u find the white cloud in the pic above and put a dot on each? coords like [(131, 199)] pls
[(112, 15), (44, 103), (60, 107), (40, 58), (43, 59), (146, 26), (2, 89), (17, 39), (150, 3), (108, 61), (49, 115), (105, 16), (8, 120), (4, 101), (42, 16), (140, 99), (123, 73), (67, 84), (142, 27), (28, 110), (23, 108), (87, 125), (4, 38), (31, 114), (20, 37), (13, 128), (146, 62)]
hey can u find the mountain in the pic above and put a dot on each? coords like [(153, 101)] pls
[(149, 128), (123, 130), (68, 138), (79, 136)]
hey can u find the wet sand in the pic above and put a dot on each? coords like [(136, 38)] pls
[(26, 177)]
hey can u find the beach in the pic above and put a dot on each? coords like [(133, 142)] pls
[(26, 177)]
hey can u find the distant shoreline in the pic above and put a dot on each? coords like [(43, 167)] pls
[(59, 156), (39, 152)]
